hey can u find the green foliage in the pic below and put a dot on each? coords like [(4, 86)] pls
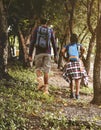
[(22, 107), (56, 120), (87, 90), (18, 99), (27, 13)]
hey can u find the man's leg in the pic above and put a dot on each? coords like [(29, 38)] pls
[(39, 73), (40, 79), (46, 82), (47, 66)]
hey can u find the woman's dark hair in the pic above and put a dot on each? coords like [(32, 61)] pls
[(74, 38)]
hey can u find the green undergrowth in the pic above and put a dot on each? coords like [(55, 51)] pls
[(22, 107), (86, 90)]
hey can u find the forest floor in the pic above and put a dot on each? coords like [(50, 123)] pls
[(80, 110), (22, 107)]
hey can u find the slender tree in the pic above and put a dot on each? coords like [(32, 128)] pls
[(90, 5), (97, 63), (3, 41)]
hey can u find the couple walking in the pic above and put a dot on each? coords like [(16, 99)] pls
[(74, 69)]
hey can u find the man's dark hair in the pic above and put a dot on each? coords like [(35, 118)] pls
[(74, 38), (43, 21)]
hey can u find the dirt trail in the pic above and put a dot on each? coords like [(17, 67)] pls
[(56, 77)]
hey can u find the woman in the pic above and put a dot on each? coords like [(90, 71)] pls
[(74, 68)]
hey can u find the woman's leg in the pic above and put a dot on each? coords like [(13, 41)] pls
[(77, 83), (72, 90)]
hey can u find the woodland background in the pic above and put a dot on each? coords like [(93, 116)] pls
[(17, 85)]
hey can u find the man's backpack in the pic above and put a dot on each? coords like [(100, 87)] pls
[(73, 52), (43, 37)]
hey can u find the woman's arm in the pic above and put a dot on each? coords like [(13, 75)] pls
[(83, 50)]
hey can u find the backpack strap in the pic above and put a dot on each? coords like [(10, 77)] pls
[(39, 31)]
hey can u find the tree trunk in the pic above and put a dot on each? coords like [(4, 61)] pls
[(92, 31), (63, 40), (97, 68), (70, 11), (25, 53), (23, 46), (88, 58), (3, 41)]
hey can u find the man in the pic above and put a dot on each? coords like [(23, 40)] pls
[(41, 39)]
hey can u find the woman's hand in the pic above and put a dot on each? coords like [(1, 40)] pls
[(63, 51)]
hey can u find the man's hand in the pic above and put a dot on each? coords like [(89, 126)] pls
[(30, 58)]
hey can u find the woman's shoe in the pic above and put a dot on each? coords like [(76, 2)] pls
[(72, 95), (77, 96)]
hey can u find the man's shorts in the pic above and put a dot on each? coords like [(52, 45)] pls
[(43, 62)]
